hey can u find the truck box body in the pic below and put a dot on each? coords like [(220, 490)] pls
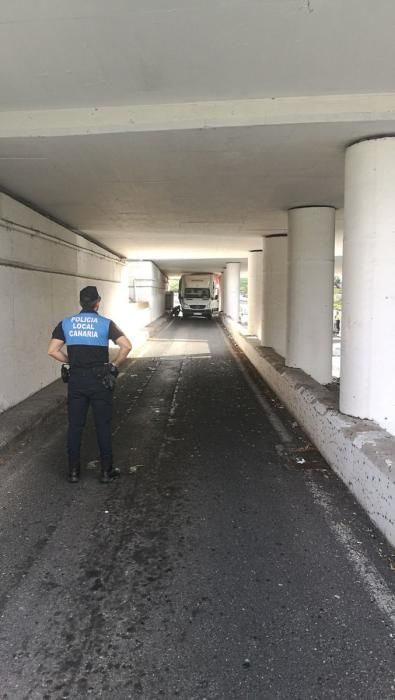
[(198, 294)]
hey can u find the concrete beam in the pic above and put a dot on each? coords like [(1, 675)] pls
[(199, 115)]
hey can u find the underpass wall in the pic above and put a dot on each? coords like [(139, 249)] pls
[(42, 268), (147, 288)]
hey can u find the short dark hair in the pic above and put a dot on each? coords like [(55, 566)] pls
[(90, 305)]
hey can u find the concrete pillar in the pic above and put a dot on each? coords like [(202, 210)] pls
[(255, 280), (232, 290), (367, 383), (222, 291), (274, 321), (311, 249), (225, 285)]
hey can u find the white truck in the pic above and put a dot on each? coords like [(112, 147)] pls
[(198, 294)]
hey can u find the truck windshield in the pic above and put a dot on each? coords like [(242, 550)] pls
[(197, 293)]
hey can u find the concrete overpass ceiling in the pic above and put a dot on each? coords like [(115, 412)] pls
[(94, 52), (177, 130), (176, 267), (180, 194)]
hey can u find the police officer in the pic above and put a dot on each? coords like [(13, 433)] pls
[(91, 377)]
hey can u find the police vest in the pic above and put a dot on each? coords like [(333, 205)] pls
[(86, 328)]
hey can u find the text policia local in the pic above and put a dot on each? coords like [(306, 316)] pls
[(84, 326)]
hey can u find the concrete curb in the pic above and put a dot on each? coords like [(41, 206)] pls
[(359, 451), (27, 414)]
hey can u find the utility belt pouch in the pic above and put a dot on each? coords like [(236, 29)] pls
[(109, 379), (65, 373)]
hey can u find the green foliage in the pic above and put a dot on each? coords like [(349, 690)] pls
[(173, 284), (244, 286), (337, 299)]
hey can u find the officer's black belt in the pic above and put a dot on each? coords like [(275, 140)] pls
[(98, 371)]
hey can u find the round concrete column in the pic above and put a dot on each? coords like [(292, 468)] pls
[(221, 291), (274, 321), (232, 290), (225, 296), (255, 279), (311, 246), (367, 382)]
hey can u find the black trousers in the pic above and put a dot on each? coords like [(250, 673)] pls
[(85, 389)]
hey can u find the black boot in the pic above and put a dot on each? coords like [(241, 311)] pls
[(74, 475), (110, 474)]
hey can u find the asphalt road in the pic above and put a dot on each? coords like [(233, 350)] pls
[(228, 563)]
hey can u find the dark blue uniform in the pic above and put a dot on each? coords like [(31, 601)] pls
[(87, 335)]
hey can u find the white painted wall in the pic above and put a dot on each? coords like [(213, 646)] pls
[(42, 268), (147, 284)]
